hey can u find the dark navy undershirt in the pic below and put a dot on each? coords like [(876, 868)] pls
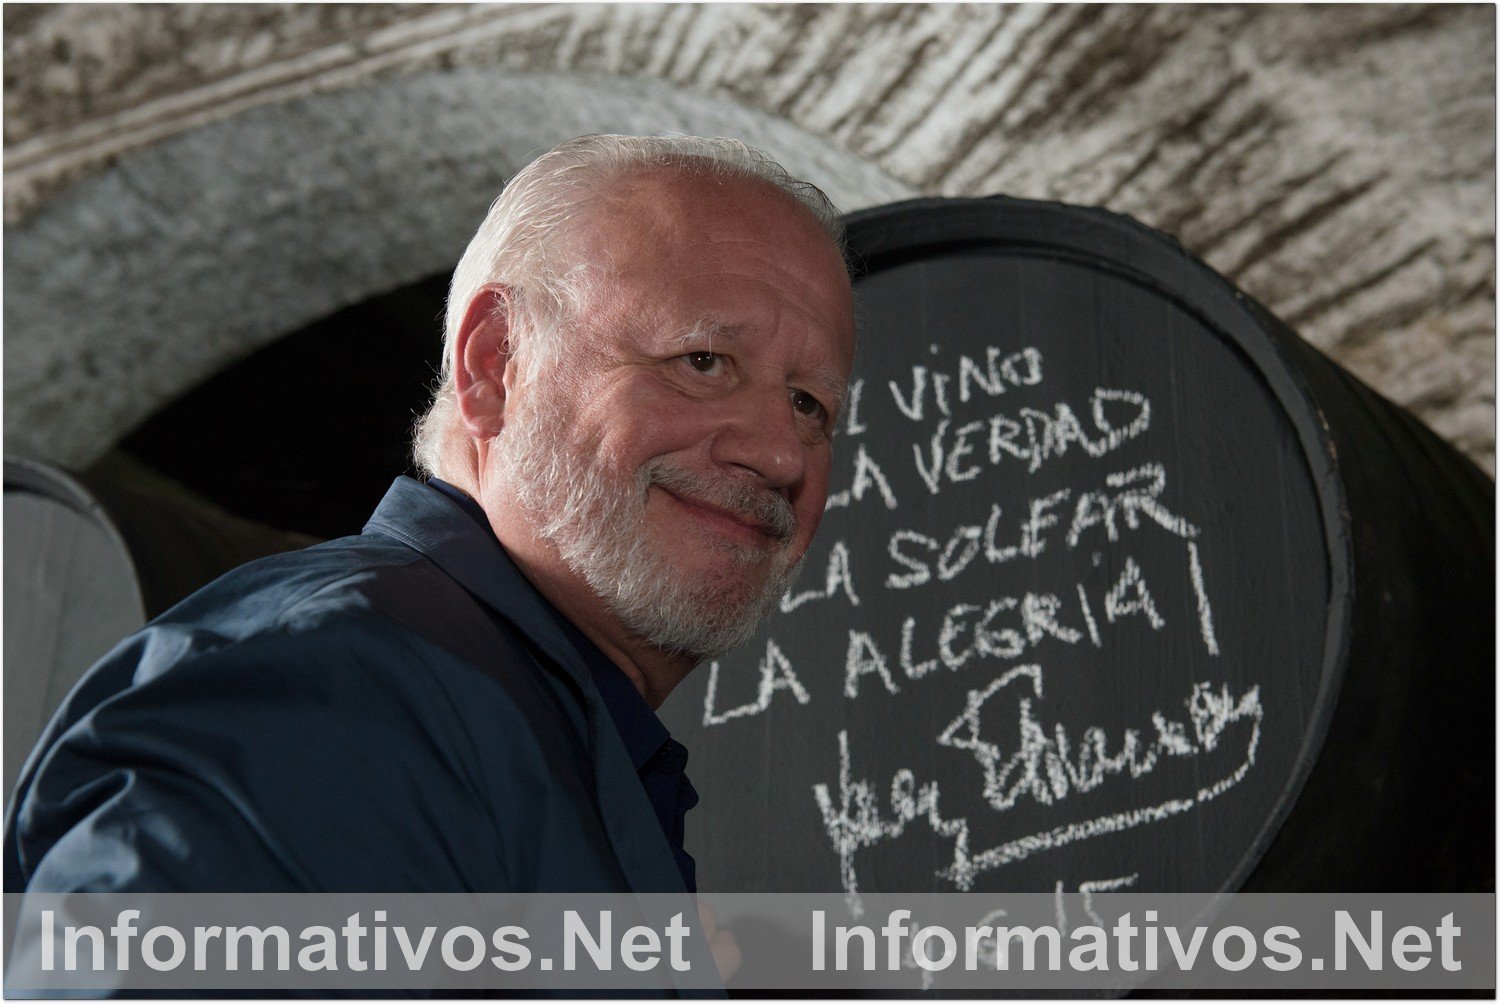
[(658, 759)]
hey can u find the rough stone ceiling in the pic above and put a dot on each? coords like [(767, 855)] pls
[(1337, 162)]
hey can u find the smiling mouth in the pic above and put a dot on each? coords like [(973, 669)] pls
[(727, 520)]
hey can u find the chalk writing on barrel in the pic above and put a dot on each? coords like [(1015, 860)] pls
[(1048, 766)]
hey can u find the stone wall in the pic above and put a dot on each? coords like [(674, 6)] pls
[(1337, 161)]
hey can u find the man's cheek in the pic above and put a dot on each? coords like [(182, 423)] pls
[(808, 519), (809, 504)]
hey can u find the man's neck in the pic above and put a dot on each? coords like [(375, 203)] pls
[(653, 672)]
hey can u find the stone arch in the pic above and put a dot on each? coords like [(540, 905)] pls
[(184, 256)]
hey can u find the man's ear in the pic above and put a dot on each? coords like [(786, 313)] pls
[(481, 358)]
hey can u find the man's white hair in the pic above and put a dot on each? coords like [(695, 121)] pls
[(522, 244)]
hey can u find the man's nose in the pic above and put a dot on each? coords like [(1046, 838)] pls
[(760, 435)]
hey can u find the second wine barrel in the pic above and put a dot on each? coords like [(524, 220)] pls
[(89, 559)]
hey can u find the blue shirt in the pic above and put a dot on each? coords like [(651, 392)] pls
[(659, 760), (397, 711), (393, 711)]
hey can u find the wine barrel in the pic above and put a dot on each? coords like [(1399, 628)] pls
[(90, 558), (1121, 585)]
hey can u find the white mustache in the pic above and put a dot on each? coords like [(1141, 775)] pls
[(763, 506)]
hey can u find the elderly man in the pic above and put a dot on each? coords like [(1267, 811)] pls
[(646, 350)]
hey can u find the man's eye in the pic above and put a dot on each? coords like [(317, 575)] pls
[(808, 405), (705, 362)]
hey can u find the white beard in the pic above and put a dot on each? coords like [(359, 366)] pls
[(596, 520)]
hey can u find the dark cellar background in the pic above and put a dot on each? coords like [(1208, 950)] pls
[(307, 433)]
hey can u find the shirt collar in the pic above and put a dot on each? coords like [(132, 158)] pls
[(465, 502), (433, 524), (640, 729)]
